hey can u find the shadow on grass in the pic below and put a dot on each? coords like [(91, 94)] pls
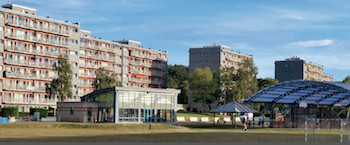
[(178, 137)]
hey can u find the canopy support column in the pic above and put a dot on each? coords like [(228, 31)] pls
[(214, 119)]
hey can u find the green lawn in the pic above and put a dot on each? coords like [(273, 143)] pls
[(180, 132)]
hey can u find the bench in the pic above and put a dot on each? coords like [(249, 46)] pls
[(180, 118), (205, 119), (194, 119)]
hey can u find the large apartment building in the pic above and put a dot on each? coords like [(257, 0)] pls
[(296, 68), (30, 46), (214, 57)]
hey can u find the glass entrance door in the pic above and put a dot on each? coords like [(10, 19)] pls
[(148, 114)]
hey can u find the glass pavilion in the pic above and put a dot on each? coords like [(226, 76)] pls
[(134, 105)]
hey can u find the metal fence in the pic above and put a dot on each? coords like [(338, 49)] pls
[(327, 130)]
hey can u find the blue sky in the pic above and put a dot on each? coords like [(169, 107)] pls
[(317, 30)]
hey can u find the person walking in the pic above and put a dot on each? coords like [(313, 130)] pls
[(244, 124)]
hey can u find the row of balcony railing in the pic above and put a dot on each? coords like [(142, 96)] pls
[(155, 57), (97, 47), (13, 74), (100, 57), (27, 25), (150, 65), (315, 70), (33, 51), (24, 88), (135, 71), (144, 81), (94, 66), (37, 40), (30, 100), (28, 63)]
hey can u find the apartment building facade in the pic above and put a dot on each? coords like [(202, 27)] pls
[(296, 68), (214, 57), (30, 46)]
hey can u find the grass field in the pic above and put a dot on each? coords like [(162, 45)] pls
[(182, 132)]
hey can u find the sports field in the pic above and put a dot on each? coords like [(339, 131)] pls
[(182, 132)]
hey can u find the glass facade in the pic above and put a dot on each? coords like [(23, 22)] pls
[(146, 107), (133, 105), (105, 106)]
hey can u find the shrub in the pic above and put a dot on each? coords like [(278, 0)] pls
[(43, 112), (24, 114), (10, 111)]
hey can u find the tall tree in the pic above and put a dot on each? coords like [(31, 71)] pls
[(347, 80), (178, 78), (246, 83), (61, 86), (263, 83), (224, 79), (203, 86), (104, 80)]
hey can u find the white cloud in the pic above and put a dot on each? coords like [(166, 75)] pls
[(293, 16), (312, 43)]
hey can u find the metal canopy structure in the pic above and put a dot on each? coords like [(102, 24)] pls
[(233, 107), (310, 92)]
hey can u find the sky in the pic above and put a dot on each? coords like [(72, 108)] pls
[(270, 30)]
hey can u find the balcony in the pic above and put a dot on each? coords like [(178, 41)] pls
[(25, 88), (34, 52), (320, 71), (137, 80), (96, 47), (109, 68), (107, 58), (34, 39), (20, 37), (20, 24), (85, 85), (87, 75), (139, 72), (32, 26), (26, 76), (25, 63), (138, 55), (89, 66), (58, 32)]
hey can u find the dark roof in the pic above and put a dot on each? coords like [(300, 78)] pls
[(310, 92), (233, 107)]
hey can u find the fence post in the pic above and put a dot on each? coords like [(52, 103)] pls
[(341, 130), (305, 129)]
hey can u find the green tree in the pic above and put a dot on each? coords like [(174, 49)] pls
[(61, 86), (246, 83), (178, 78), (224, 79), (347, 80), (104, 80), (263, 83), (203, 86)]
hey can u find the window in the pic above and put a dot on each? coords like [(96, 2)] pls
[(73, 52)]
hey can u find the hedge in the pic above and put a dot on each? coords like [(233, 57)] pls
[(10, 111), (43, 112)]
